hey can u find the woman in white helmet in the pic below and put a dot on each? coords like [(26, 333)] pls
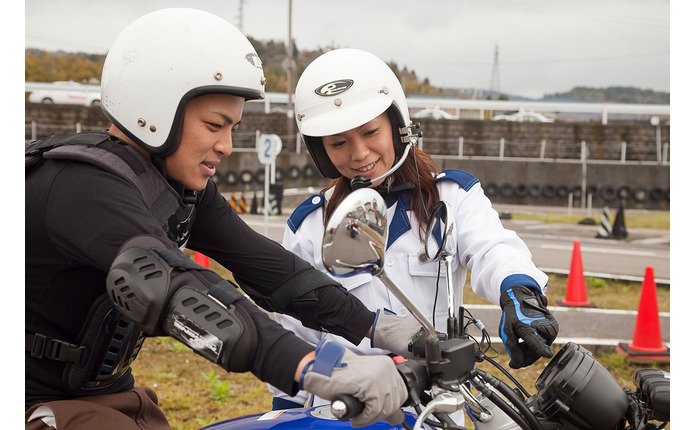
[(352, 114), (108, 213)]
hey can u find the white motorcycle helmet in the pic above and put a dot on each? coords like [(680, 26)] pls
[(165, 58), (343, 89)]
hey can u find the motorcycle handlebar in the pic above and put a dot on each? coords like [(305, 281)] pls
[(344, 407)]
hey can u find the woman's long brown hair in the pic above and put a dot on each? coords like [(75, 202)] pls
[(423, 196)]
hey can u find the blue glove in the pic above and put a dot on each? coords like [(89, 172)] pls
[(527, 327)]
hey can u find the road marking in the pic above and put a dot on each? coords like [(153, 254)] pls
[(583, 341), (600, 250), (555, 309)]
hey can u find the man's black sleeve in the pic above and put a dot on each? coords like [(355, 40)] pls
[(276, 279)]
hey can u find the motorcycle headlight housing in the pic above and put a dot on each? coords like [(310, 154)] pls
[(576, 389)]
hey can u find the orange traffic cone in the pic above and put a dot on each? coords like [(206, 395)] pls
[(202, 259), (646, 342), (576, 286)]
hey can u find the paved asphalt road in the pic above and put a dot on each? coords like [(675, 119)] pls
[(551, 246)]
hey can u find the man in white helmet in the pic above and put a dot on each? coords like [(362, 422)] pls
[(107, 215), (352, 114)]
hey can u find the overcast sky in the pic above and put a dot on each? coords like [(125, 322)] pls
[(544, 46)]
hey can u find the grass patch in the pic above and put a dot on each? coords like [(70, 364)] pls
[(649, 220), (604, 293), (201, 392)]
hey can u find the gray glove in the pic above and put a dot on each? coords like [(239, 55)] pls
[(393, 333), (371, 379)]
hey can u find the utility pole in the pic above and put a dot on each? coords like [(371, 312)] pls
[(289, 67), (240, 26), (494, 93)]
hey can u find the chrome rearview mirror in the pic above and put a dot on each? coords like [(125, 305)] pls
[(355, 236), (355, 240)]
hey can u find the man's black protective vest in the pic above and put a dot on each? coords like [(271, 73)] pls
[(108, 341)]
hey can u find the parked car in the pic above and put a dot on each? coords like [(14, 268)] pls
[(433, 113), (523, 117), (67, 92)]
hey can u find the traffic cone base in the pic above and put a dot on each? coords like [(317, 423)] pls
[(576, 286), (646, 342), (638, 354)]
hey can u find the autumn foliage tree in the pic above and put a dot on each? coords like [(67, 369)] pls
[(43, 66)]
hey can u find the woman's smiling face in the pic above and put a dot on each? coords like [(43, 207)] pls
[(365, 151), (207, 137)]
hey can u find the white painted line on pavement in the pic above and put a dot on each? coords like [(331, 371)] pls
[(605, 275), (600, 250), (572, 309), (582, 341)]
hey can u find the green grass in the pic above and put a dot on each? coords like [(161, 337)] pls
[(642, 219)]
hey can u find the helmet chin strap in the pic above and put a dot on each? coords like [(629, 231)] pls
[(360, 182), (409, 139)]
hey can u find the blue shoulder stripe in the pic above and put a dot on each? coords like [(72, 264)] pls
[(465, 180), (303, 210)]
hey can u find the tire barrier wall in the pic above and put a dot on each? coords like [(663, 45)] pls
[(639, 196), (552, 183), (504, 181)]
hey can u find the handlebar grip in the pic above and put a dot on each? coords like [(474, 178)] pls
[(346, 406)]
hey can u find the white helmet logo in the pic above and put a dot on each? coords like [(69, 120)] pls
[(334, 88)]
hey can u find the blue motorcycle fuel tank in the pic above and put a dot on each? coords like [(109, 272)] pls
[(318, 417)]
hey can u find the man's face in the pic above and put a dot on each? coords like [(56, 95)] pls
[(207, 137)]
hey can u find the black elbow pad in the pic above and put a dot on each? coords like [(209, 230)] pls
[(162, 290)]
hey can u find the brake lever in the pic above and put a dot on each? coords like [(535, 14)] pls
[(476, 408), (446, 401)]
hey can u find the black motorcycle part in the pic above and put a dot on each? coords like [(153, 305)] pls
[(418, 345), (456, 362), (576, 389), (654, 389), (414, 374)]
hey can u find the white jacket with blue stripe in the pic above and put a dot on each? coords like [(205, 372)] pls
[(496, 257)]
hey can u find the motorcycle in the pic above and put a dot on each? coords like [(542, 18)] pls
[(574, 391)]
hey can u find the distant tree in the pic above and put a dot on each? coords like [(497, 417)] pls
[(613, 95), (42, 66)]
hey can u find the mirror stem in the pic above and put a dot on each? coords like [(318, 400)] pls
[(417, 313)]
